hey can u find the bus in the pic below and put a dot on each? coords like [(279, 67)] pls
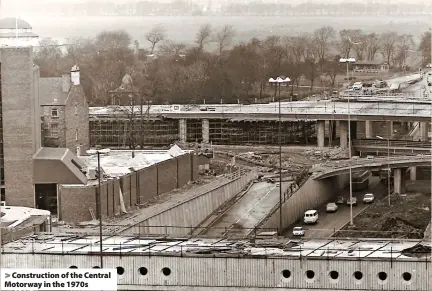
[(360, 180)]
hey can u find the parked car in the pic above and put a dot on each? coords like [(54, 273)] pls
[(340, 200), (357, 86), (352, 200), (298, 231), (368, 198), (310, 216), (331, 207)]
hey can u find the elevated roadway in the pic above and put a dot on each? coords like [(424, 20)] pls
[(396, 147), (360, 110), (334, 168)]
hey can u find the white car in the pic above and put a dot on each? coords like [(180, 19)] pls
[(298, 231), (368, 198), (357, 86), (331, 207)]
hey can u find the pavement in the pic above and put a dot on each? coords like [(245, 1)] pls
[(329, 223), (248, 211)]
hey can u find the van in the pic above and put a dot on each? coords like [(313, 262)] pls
[(311, 216)]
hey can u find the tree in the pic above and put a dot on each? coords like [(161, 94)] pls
[(173, 48), (373, 45), (224, 37), (388, 45), (331, 69), (322, 37), (425, 47), (203, 36), (404, 44), (48, 56), (154, 36), (347, 39)]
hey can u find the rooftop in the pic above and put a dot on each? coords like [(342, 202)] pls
[(13, 216), (74, 244), (51, 91), (14, 23), (117, 163)]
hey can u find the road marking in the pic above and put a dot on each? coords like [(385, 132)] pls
[(253, 206)]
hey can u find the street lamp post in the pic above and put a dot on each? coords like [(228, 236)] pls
[(99, 205), (348, 61), (388, 167), (279, 81)]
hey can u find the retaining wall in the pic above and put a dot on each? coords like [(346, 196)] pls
[(181, 219), (75, 201), (310, 195)]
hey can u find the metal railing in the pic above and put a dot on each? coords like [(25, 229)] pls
[(393, 143)]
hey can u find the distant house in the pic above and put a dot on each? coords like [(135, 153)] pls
[(371, 67), (126, 94), (64, 112)]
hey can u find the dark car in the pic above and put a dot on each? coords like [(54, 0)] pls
[(340, 200)]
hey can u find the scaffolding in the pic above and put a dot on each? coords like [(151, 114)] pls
[(117, 132)]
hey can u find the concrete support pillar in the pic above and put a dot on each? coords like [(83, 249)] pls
[(413, 173), (399, 181), (390, 129), (205, 131), (183, 130), (321, 133), (369, 129), (424, 131), (343, 132)]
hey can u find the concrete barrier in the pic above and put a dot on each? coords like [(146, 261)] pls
[(309, 196), (182, 218)]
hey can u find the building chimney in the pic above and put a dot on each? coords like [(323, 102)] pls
[(66, 83), (75, 75)]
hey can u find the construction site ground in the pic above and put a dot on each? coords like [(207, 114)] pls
[(407, 218)]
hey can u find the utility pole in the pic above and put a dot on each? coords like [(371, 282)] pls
[(99, 207)]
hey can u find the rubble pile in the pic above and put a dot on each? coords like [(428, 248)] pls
[(335, 153), (407, 217)]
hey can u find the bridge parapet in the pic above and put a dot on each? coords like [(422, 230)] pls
[(334, 168)]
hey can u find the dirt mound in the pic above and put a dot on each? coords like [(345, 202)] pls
[(407, 217)]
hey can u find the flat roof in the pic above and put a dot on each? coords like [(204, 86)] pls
[(117, 163), (14, 216), (73, 244)]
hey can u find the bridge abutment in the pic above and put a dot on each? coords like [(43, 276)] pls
[(369, 129), (343, 132), (424, 132)]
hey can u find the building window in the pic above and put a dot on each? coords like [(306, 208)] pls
[(76, 134), (54, 132), (54, 113)]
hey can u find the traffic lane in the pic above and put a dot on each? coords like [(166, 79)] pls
[(329, 222)]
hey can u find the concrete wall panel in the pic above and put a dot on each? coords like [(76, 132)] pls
[(310, 195), (184, 164), (242, 273), (167, 176), (76, 203), (125, 183), (148, 185), (134, 189)]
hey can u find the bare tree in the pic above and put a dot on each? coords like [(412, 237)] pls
[(404, 44), (173, 48), (388, 45), (322, 37), (373, 45), (155, 35), (347, 39), (203, 36), (224, 37), (425, 47)]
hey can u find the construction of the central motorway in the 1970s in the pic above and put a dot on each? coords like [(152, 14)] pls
[(323, 193)]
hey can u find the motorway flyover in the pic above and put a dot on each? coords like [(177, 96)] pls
[(396, 147), (335, 168)]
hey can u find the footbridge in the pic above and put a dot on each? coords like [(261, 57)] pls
[(335, 168), (394, 147), (192, 264)]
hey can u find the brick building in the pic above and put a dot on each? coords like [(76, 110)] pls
[(65, 112), (21, 154)]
